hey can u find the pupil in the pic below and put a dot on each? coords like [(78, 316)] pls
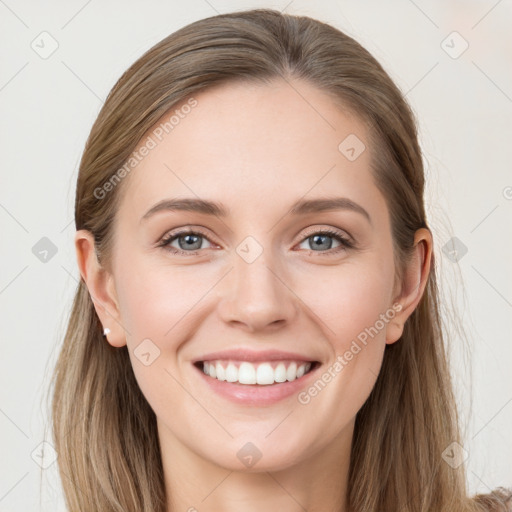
[(189, 240), (317, 237)]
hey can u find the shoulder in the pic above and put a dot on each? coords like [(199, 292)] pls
[(499, 500)]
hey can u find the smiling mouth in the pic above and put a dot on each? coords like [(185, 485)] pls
[(264, 373)]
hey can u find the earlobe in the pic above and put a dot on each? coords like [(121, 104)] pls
[(413, 284), (394, 332), (100, 284)]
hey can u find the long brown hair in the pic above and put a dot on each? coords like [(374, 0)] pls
[(104, 429)]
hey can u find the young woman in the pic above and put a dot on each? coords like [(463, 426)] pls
[(257, 324)]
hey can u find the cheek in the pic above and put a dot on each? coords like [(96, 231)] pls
[(354, 311), (155, 301), (350, 299), (157, 305)]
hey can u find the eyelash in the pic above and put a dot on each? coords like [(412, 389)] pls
[(345, 242)]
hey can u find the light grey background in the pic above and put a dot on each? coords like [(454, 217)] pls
[(464, 105)]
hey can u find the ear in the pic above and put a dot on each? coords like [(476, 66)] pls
[(100, 284), (413, 284)]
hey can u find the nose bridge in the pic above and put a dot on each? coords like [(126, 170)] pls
[(255, 293)]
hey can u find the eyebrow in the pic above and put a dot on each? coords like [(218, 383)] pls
[(300, 207)]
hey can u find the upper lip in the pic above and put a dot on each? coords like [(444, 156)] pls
[(252, 355)]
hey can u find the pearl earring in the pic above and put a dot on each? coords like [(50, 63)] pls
[(106, 331)]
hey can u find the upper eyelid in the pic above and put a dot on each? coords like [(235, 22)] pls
[(332, 231), (185, 231)]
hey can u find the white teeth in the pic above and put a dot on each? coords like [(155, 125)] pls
[(247, 374), (280, 373), (260, 373), (221, 373), (264, 374), (291, 372), (231, 373)]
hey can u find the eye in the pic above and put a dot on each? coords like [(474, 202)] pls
[(189, 242), (320, 240)]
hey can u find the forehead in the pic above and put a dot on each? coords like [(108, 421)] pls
[(247, 143)]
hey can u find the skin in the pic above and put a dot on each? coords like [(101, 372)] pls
[(257, 149)]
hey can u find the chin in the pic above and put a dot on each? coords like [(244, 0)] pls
[(254, 456)]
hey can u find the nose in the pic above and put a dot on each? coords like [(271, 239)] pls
[(256, 296)]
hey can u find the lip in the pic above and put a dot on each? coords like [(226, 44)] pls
[(254, 394), (254, 356)]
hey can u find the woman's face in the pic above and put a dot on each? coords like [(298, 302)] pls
[(256, 278)]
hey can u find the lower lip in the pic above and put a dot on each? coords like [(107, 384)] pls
[(254, 394)]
